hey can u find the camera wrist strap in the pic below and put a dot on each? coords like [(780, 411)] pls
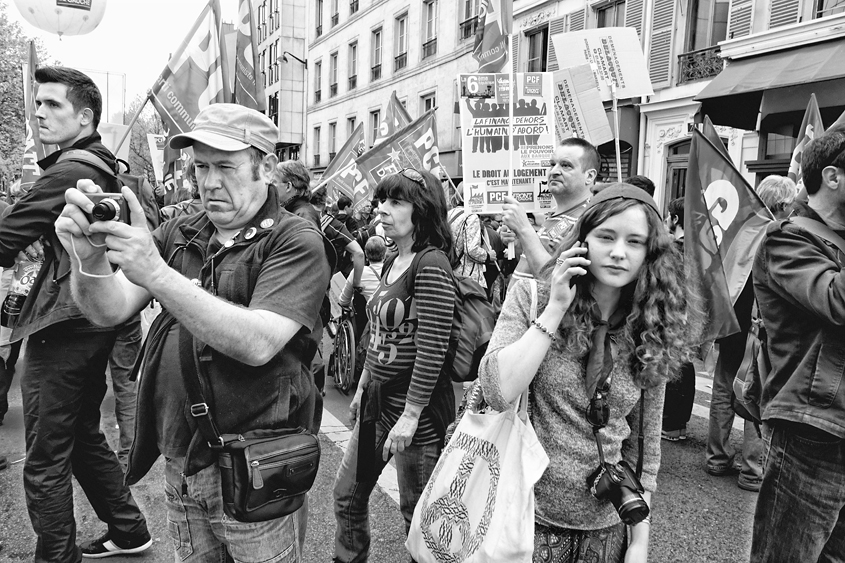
[(640, 437)]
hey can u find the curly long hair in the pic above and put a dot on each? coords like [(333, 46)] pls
[(431, 227), (663, 314)]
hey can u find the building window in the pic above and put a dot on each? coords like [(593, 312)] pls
[(319, 18), (829, 7), (333, 75), (316, 146), (401, 58), (273, 107), (335, 14), (318, 81), (429, 47), (538, 44), (375, 124), (332, 140), (353, 65), (350, 126), (708, 23), (611, 15), (469, 19), (375, 42), (427, 102), (353, 7)]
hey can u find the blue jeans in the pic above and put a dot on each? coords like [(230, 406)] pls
[(803, 492), (352, 497), (720, 454), (202, 532)]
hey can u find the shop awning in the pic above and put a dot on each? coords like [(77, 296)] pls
[(775, 83)]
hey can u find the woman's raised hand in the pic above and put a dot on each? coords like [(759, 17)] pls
[(571, 263)]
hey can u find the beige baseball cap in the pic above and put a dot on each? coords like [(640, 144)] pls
[(230, 127)]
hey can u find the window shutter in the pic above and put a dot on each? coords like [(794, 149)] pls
[(634, 15), (784, 12), (740, 19), (557, 25), (514, 40), (576, 20), (660, 53)]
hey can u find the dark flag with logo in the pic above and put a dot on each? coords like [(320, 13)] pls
[(342, 176), (723, 225), (192, 80), (34, 149), (395, 118), (247, 92), (495, 20), (415, 146)]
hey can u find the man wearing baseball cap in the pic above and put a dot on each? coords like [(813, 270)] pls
[(240, 278)]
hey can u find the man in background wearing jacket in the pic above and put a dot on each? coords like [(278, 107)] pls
[(800, 290)]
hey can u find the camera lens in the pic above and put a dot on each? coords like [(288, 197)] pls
[(106, 210), (632, 508)]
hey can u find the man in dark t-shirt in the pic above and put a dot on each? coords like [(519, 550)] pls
[(242, 285)]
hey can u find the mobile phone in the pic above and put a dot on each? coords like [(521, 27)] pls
[(574, 279)]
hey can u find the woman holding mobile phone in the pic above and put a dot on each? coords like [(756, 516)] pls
[(614, 322)]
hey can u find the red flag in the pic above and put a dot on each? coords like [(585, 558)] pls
[(811, 127), (415, 146), (709, 131), (34, 150), (395, 118), (247, 91), (341, 176), (192, 80), (725, 221), (495, 20)]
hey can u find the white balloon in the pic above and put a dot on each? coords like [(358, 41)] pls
[(63, 17)]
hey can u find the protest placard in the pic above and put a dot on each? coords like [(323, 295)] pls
[(156, 144), (506, 146), (614, 55), (578, 108)]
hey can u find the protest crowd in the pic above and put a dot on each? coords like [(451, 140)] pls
[(521, 371)]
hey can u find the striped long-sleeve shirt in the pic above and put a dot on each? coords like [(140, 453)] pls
[(409, 336)]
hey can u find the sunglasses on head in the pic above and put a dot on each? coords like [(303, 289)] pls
[(413, 175)]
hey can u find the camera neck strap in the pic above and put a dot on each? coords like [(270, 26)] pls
[(640, 437)]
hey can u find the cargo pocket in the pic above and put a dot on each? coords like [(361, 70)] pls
[(177, 523)]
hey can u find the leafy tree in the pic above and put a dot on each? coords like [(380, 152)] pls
[(14, 46)]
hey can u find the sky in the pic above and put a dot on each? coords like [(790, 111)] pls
[(134, 39)]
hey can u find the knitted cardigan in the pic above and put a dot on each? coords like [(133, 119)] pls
[(558, 403)]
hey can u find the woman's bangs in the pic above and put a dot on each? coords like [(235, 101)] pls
[(395, 187)]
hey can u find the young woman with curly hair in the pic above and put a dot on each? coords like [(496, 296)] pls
[(613, 322)]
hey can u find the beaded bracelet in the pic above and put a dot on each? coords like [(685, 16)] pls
[(544, 330)]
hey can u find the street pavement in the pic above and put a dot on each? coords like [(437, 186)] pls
[(696, 517)]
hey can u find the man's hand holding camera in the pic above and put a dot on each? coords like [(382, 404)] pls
[(129, 246)]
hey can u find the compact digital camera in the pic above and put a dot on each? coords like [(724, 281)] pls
[(619, 484), (108, 207)]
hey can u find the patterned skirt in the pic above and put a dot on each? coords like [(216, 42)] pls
[(561, 545)]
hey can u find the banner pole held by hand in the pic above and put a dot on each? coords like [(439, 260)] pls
[(511, 252)]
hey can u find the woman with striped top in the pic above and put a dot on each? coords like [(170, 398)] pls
[(404, 402)]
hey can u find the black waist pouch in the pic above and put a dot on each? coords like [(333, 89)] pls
[(265, 474)]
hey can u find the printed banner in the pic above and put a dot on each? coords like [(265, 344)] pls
[(615, 56), (578, 108), (415, 146), (34, 150), (493, 145)]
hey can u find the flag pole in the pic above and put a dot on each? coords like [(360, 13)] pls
[(511, 251), (616, 134), (132, 124)]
